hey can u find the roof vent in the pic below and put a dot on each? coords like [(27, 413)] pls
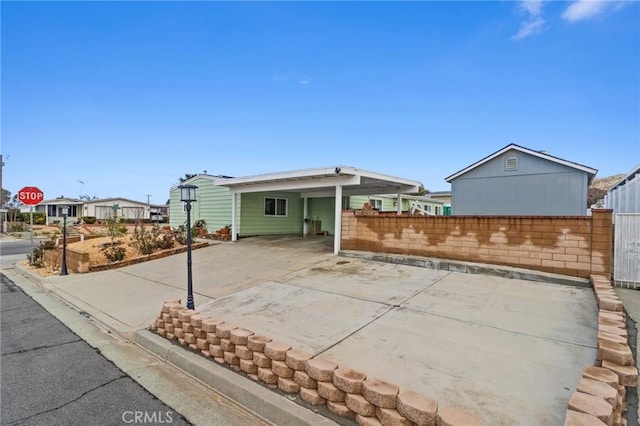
[(511, 164)]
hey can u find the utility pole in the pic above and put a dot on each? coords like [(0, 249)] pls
[(149, 205)]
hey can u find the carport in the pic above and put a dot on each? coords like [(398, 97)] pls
[(336, 182)]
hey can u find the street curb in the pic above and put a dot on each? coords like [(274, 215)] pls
[(469, 268), (264, 402)]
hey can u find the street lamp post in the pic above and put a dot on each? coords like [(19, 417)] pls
[(65, 212), (188, 195)]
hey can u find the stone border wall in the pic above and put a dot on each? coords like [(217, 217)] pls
[(569, 245), (319, 382), (599, 398), (78, 261)]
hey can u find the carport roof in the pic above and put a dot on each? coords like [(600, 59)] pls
[(323, 181)]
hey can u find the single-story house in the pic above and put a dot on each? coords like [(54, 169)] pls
[(416, 204), (520, 181), (100, 209), (284, 202), (129, 209), (444, 196), (53, 210)]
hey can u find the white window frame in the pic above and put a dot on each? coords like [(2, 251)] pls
[(276, 199), (374, 201)]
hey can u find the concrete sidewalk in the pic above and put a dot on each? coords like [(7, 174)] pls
[(508, 350)]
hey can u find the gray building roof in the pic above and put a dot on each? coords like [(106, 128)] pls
[(540, 154)]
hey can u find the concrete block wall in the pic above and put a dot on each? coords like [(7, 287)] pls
[(317, 381), (568, 245), (600, 395), (77, 261)]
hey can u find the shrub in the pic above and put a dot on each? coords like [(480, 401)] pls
[(200, 224), (180, 234), (146, 242), (39, 218), (90, 220), (36, 258), (114, 252), (16, 227), (166, 241)]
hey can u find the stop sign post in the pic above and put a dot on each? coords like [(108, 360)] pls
[(31, 196)]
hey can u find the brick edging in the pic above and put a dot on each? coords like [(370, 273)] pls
[(600, 394), (319, 382)]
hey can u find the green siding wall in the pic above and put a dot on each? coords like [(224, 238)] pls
[(213, 205), (254, 221), (357, 201), (324, 210)]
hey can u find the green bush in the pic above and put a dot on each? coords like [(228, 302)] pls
[(89, 220), (146, 242), (39, 218)]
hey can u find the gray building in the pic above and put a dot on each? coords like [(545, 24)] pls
[(519, 181)]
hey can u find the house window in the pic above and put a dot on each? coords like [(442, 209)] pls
[(275, 206), (376, 204), (511, 164)]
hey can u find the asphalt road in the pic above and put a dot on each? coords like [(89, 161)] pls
[(52, 377), (15, 251)]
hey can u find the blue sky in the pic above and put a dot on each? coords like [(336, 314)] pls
[(121, 99)]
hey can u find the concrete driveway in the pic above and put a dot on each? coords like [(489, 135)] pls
[(508, 350)]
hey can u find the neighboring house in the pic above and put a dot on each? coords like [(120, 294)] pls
[(284, 202), (385, 203), (624, 196), (444, 196), (129, 209), (53, 210), (100, 209), (519, 181)]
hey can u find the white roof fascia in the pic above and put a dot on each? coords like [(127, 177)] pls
[(548, 157), (213, 178), (290, 175), (295, 184), (317, 178), (375, 190)]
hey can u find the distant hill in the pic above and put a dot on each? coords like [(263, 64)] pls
[(598, 189), (606, 182)]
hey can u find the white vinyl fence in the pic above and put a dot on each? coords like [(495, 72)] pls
[(626, 253), (625, 196)]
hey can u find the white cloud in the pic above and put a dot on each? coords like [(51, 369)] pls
[(529, 28), (533, 22), (304, 81), (585, 9), (533, 7)]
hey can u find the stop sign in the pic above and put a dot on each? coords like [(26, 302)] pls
[(30, 195)]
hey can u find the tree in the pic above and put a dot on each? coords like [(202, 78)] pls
[(594, 195), (5, 198), (87, 197), (188, 176), (421, 191)]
